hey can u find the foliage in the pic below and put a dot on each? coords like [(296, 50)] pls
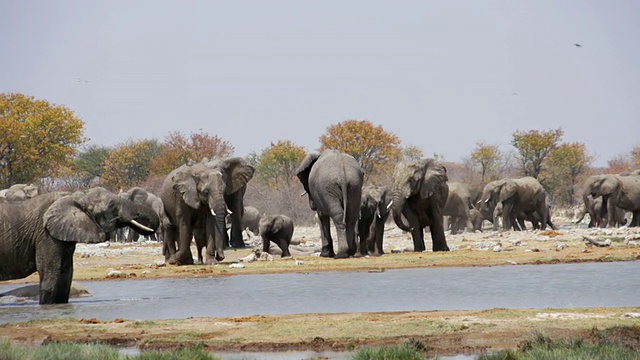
[(618, 164), (405, 351), (285, 200), (276, 165), (635, 157), (412, 153), (178, 149), (89, 163), (129, 163), (488, 159), (534, 147), (36, 140), (564, 167), (370, 145)]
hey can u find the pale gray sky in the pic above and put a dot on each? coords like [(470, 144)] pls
[(441, 75)]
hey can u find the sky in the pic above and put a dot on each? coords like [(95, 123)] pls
[(440, 75)]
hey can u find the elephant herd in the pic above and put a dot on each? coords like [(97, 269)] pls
[(203, 202)]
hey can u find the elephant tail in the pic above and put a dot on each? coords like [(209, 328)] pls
[(345, 202)]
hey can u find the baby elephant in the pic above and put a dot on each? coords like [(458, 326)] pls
[(276, 228)]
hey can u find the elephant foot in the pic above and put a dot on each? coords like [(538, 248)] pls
[(446, 248), (178, 262), (342, 255), (211, 262), (327, 254), (238, 245)]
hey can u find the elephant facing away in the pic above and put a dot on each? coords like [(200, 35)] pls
[(457, 207), (277, 229), (197, 197), (374, 212), (40, 234), (616, 191), (517, 196), (593, 207), (333, 182), (418, 195)]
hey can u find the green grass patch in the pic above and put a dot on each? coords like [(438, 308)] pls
[(410, 350)]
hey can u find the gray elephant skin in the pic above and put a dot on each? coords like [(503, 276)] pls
[(333, 182), (141, 196), (418, 195), (197, 198), (19, 192), (522, 195), (457, 207), (277, 229), (374, 212), (32, 291), (40, 234), (622, 191), (250, 220), (593, 207)]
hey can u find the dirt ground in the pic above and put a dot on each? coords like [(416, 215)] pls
[(443, 332)]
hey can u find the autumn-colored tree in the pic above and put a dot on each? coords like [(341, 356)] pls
[(488, 159), (89, 163), (276, 164), (129, 163), (372, 146), (534, 147), (635, 157), (178, 149), (37, 138), (564, 166), (618, 164)]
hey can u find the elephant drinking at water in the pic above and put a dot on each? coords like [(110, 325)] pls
[(333, 182), (40, 234)]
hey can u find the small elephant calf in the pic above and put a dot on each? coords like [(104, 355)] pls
[(276, 228)]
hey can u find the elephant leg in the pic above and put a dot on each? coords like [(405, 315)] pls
[(350, 233), (55, 269), (200, 238), (635, 220), (363, 235), (438, 240), (325, 235), (169, 242), (183, 255), (508, 217), (378, 235), (417, 234), (284, 246), (344, 247)]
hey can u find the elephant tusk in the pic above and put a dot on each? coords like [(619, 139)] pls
[(303, 193), (486, 201), (229, 212), (390, 203), (141, 227), (213, 212)]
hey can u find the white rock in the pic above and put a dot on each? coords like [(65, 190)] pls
[(299, 262), (237, 265)]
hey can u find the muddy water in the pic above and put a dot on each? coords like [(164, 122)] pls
[(524, 286)]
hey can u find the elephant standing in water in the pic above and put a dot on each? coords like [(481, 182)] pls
[(197, 198), (374, 213), (617, 191), (40, 234), (517, 196), (418, 194), (333, 182)]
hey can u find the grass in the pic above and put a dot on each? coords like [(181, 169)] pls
[(71, 351), (410, 350)]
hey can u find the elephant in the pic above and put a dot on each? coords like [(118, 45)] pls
[(32, 291), (142, 196), (418, 195), (19, 192), (475, 217), (523, 195), (197, 198), (593, 207), (616, 191), (250, 220), (277, 229), (457, 206), (373, 215), (521, 217), (40, 234), (333, 182)]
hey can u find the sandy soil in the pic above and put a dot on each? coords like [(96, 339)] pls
[(445, 332)]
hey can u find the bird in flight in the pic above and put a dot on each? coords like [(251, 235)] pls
[(577, 45)]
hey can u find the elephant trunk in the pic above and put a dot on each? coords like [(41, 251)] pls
[(396, 209), (219, 237)]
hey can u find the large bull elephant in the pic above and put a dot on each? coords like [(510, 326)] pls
[(418, 195), (333, 182), (374, 213), (197, 197), (616, 191), (40, 234), (518, 196)]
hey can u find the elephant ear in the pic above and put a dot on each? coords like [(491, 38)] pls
[(435, 177), (303, 170), (278, 223), (138, 195), (184, 182), (66, 220), (238, 174), (609, 185), (507, 189)]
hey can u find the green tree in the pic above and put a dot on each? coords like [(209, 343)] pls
[(89, 163), (37, 138), (276, 164), (534, 147), (372, 146), (565, 165), (129, 163), (488, 158), (178, 149)]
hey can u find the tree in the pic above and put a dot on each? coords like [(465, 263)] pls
[(635, 157), (618, 164), (565, 165), (89, 163), (37, 138), (129, 163), (412, 153), (277, 163), (534, 147), (370, 145), (488, 158), (178, 149)]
